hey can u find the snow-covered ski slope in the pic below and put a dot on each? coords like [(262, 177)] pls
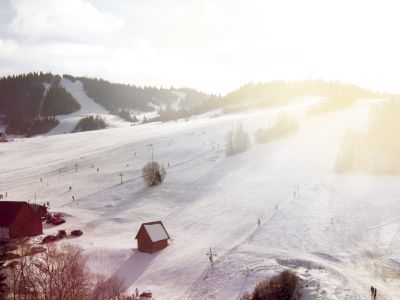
[(337, 234), (88, 107)]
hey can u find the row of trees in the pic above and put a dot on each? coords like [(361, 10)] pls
[(376, 149), (90, 123), (282, 127), (126, 115), (59, 273), (39, 125), (42, 125), (58, 101), (169, 114), (115, 96), (20, 98), (237, 141), (280, 92), (271, 94)]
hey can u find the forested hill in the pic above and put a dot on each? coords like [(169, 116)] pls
[(335, 95), (275, 93), (115, 96), (29, 101)]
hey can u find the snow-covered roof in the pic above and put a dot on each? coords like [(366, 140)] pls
[(156, 232)]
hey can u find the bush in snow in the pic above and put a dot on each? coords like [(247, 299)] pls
[(283, 126), (125, 114), (237, 141), (153, 173), (90, 123), (42, 125), (280, 287)]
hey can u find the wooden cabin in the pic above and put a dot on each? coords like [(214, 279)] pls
[(152, 237), (18, 220)]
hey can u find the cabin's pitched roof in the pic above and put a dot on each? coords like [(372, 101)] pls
[(9, 210), (155, 230)]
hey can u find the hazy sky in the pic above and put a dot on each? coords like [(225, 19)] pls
[(214, 46)]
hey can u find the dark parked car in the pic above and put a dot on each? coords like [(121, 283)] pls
[(61, 234), (49, 239), (76, 232)]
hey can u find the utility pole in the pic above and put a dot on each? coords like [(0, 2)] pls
[(211, 256), (152, 160), (121, 175), (76, 167), (152, 153)]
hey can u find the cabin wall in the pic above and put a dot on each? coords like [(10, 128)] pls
[(146, 245), (26, 223), (160, 245)]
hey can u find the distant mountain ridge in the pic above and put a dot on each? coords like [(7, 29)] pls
[(30, 103)]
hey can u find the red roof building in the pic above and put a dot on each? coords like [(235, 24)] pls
[(18, 220), (152, 237)]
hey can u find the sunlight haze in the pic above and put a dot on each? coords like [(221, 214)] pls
[(210, 45)]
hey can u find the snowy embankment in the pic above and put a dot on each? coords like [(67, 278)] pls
[(332, 232), (88, 107)]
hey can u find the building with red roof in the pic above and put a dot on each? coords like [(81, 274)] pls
[(18, 219), (152, 237)]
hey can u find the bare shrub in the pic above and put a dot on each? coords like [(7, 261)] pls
[(237, 141), (60, 273), (280, 287), (153, 174), (3, 285), (283, 126), (106, 288)]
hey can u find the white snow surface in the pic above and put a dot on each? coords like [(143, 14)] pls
[(88, 107), (156, 232), (340, 235)]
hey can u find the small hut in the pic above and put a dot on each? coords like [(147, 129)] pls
[(18, 219), (152, 237)]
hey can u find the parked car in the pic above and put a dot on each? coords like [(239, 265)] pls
[(61, 234), (49, 239), (76, 232)]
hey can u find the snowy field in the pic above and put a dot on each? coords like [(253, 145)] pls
[(339, 232)]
